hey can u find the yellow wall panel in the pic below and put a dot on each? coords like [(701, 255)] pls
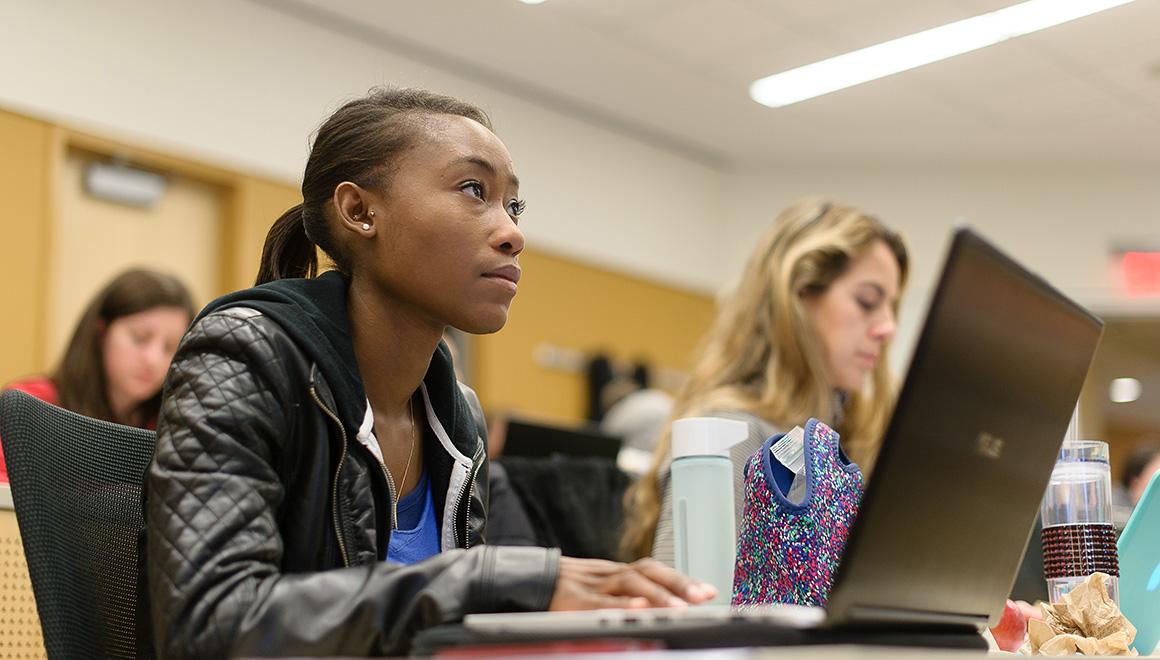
[(574, 306), (257, 204), (25, 152)]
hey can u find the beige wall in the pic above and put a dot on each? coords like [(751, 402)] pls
[(255, 204)]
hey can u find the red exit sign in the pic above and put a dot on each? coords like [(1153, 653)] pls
[(1140, 272)]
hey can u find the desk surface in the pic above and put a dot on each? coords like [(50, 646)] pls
[(854, 652), (851, 652), (845, 652)]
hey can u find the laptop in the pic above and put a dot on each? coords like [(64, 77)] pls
[(542, 440), (965, 459), (1139, 555)]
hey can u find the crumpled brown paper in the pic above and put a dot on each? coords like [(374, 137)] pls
[(1086, 621)]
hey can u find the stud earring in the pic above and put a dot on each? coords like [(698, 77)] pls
[(371, 213), (366, 227)]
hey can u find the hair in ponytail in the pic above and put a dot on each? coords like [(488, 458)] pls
[(288, 251), (358, 143)]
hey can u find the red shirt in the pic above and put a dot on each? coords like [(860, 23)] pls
[(41, 388), (45, 390)]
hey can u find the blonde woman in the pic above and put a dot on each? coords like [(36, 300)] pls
[(804, 333)]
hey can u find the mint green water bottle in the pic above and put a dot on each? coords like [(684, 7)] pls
[(704, 528)]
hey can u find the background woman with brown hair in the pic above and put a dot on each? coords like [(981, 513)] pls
[(116, 360), (803, 334)]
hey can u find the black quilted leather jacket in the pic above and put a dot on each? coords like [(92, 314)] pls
[(268, 523)]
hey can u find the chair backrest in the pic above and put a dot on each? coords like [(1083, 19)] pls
[(76, 486)]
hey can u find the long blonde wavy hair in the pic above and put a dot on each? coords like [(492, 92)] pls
[(760, 356)]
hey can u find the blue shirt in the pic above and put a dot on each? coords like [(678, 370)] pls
[(417, 536)]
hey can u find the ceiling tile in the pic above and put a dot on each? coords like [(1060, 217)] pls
[(1117, 51), (847, 26), (1073, 119), (678, 71), (867, 26), (1131, 82), (623, 12), (1046, 100), (970, 80), (706, 30), (783, 50), (1128, 25), (984, 6), (874, 105), (817, 11)]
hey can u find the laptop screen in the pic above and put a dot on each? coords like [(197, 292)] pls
[(539, 439), (966, 457)]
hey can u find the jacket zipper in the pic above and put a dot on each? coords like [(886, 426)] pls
[(337, 472), (467, 518), (392, 494)]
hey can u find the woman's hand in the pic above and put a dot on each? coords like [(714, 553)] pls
[(588, 584), (1012, 629)]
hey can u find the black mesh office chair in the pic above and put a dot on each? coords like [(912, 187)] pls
[(76, 486)]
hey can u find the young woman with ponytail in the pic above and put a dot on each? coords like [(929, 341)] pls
[(319, 484)]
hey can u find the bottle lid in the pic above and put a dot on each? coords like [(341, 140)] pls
[(707, 436), (1083, 451)]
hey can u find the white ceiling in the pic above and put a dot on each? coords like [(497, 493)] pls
[(676, 72)]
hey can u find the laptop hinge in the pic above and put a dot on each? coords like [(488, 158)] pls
[(859, 614)]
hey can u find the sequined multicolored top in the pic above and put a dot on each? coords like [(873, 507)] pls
[(786, 552)]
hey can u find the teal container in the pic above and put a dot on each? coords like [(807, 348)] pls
[(704, 524), (1139, 550)]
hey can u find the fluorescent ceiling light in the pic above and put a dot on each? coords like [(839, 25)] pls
[(920, 48), (1125, 390), (532, 2)]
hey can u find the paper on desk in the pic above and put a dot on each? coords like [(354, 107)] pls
[(1086, 621)]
